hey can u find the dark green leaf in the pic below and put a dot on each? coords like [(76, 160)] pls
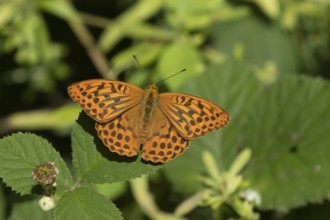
[(261, 42), (20, 153), (29, 209), (84, 203), (288, 132), (286, 125)]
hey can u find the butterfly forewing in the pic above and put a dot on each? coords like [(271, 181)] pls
[(105, 100), (190, 115)]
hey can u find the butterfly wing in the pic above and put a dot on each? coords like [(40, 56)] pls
[(121, 135), (190, 115), (163, 142), (104, 100)]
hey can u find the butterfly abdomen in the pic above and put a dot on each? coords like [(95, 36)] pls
[(149, 104)]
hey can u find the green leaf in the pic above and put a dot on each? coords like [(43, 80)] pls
[(141, 11), (288, 132), (7, 10), (138, 13), (112, 191), (29, 209), (144, 31), (285, 124), (20, 153), (232, 86), (271, 8), (146, 53), (261, 42), (191, 14), (84, 203), (61, 9), (58, 119), (94, 163), (178, 56)]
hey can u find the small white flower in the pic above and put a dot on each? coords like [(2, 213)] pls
[(251, 195), (47, 203)]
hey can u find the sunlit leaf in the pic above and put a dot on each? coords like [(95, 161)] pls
[(20, 153)]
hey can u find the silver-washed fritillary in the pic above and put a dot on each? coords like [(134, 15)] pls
[(127, 117)]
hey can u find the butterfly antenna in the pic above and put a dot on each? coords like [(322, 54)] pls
[(140, 66), (183, 70)]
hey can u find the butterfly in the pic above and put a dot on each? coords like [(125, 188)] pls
[(128, 117)]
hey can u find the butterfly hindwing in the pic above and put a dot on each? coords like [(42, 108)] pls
[(190, 115), (163, 142), (104, 100), (121, 135)]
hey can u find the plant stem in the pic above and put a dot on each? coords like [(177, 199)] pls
[(87, 40)]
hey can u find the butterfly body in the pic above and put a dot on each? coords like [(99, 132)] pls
[(149, 105), (128, 117)]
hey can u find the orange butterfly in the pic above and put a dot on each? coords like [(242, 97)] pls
[(127, 117)]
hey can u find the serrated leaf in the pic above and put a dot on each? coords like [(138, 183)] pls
[(84, 203), (286, 126), (29, 209), (232, 86), (94, 163), (20, 153), (288, 132)]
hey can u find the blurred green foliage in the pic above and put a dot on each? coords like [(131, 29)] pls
[(265, 62)]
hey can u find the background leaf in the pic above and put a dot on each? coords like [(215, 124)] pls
[(60, 119), (139, 12), (260, 42), (20, 153), (29, 209), (84, 203), (113, 190), (290, 165), (285, 124), (169, 63)]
